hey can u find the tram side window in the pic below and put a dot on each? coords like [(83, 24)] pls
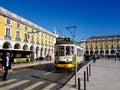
[(79, 52), (1, 56), (56, 51), (61, 51), (69, 50), (72, 51)]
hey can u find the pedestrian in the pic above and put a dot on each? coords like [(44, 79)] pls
[(94, 58), (50, 57), (47, 57), (6, 66), (1, 68)]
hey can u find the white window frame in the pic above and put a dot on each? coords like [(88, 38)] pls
[(7, 21), (26, 37), (18, 26), (32, 38), (9, 31), (26, 28), (17, 36), (37, 39)]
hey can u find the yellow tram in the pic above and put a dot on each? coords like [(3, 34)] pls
[(67, 53)]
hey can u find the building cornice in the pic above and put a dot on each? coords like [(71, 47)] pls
[(102, 39)]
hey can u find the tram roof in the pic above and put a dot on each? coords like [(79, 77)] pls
[(64, 42)]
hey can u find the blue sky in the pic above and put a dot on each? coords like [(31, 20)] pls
[(91, 17)]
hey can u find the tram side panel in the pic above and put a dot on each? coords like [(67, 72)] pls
[(66, 56), (16, 56), (65, 62), (79, 52), (69, 61)]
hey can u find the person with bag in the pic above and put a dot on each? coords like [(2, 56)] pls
[(6, 66), (1, 68), (94, 58)]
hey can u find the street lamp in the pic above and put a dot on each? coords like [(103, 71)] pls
[(105, 46), (73, 38)]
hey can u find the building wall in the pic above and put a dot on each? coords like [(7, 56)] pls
[(46, 39), (104, 46), (2, 26)]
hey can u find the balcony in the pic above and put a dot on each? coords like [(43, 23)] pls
[(86, 48), (7, 37), (37, 43), (91, 47), (18, 39), (31, 41), (26, 41), (42, 44)]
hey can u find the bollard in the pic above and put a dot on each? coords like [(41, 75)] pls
[(84, 80), (89, 69), (87, 74), (79, 85)]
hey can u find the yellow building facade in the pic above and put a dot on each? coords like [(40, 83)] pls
[(104, 46), (19, 35)]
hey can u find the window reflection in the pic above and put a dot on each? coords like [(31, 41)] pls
[(69, 50)]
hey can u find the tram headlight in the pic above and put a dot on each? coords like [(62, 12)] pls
[(67, 59)]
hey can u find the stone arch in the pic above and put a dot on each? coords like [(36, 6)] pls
[(101, 53), (49, 51), (45, 52), (37, 51), (112, 51), (31, 47), (96, 52), (52, 51), (41, 52), (17, 46), (87, 52), (91, 52), (107, 51), (7, 45), (25, 47)]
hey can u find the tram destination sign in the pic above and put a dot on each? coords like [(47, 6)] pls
[(62, 39)]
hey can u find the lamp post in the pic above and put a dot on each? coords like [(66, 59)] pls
[(105, 47), (73, 38), (119, 46)]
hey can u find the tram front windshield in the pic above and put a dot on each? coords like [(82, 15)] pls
[(63, 50)]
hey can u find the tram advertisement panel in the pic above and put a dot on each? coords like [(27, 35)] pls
[(17, 56)]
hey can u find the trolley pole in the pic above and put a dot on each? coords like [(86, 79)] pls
[(73, 38), (105, 47), (76, 83)]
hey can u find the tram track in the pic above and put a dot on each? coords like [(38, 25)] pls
[(49, 74), (78, 68)]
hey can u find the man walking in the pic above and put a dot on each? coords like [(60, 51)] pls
[(6, 66), (94, 58)]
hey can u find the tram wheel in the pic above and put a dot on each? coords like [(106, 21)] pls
[(57, 68)]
